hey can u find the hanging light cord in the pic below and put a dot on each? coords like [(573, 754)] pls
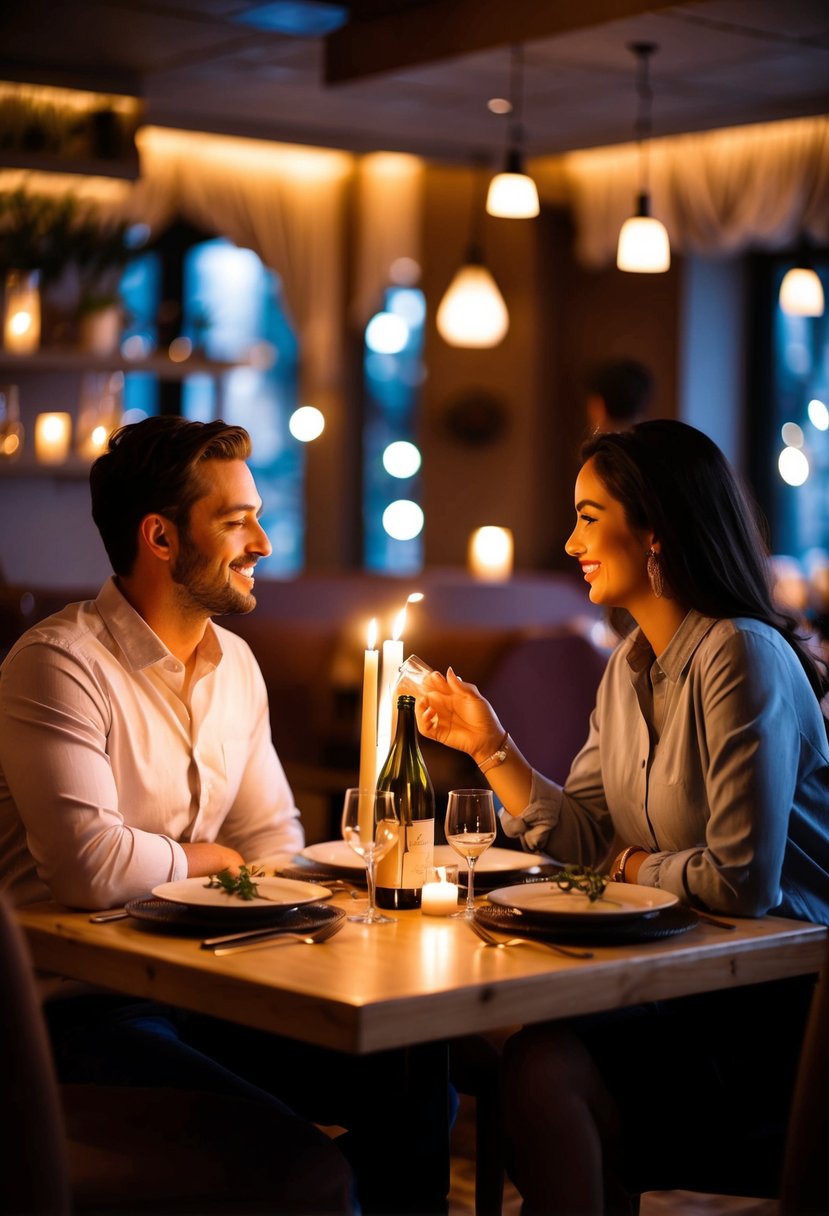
[(515, 137), (644, 125)]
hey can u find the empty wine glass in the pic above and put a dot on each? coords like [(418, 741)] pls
[(370, 825), (470, 830)]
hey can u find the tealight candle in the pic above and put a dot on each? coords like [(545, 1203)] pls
[(52, 433), (439, 896)]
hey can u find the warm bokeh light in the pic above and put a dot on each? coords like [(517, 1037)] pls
[(403, 519), (793, 466), (401, 459), (180, 350), (307, 423), (405, 272), (52, 434), (491, 553), (801, 293)]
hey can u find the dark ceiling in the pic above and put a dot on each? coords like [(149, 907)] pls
[(416, 76)]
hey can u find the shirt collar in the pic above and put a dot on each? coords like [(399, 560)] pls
[(140, 646), (677, 654)]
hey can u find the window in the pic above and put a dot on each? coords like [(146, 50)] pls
[(393, 373)]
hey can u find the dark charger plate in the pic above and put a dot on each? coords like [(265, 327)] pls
[(164, 914), (665, 922)]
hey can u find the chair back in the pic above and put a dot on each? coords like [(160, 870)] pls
[(804, 1189), (33, 1159), (544, 690)]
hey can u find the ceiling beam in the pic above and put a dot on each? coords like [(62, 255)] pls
[(445, 29)]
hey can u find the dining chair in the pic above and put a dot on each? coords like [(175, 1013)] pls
[(33, 1158), (97, 1150), (543, 690), (804, 1189)]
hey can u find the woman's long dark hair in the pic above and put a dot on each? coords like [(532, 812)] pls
[(674, 481)]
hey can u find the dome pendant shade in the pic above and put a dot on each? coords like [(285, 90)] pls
[(801, 293), (472, 313), (512, 194), (643, 246)]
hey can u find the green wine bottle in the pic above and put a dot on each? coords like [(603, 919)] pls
[(402, 872)]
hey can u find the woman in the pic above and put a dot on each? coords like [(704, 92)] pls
[(707, 758)]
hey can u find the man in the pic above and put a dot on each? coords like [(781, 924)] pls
[(619, 393), (135, 749)]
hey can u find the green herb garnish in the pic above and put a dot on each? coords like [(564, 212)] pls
[(242, 886), (582, 879)]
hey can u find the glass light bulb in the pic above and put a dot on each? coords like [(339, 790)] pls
[(512, 196), (644, 247), (801, 293), (473, 312)]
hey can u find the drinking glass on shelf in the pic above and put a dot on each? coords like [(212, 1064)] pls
[(470, 830), (370, 825)]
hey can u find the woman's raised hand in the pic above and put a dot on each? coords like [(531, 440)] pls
[(453, 712)]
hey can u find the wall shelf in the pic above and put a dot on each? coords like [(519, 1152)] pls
[(70, 359), (127, 169)]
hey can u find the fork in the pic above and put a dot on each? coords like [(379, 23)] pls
[(489, 939), (233, 943)]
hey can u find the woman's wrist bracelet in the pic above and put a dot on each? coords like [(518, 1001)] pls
[(498, 756), (617, 874)]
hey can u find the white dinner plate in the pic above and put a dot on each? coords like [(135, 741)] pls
[(285, 891), (340, 856), (620, 901)]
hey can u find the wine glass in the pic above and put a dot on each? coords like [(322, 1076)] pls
[(370, 825), (470, 830)]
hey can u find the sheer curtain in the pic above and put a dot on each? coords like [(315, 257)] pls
[(716, 192)]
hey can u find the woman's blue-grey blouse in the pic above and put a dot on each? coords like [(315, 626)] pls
[(715, 758)]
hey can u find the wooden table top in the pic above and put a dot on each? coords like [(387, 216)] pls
[(418, 980)]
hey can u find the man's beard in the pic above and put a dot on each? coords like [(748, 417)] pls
[(204, 590)]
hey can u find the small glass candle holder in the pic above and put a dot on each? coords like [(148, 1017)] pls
[(440, 891)]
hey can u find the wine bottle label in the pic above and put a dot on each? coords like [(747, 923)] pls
[(420, 848), (406, 865)]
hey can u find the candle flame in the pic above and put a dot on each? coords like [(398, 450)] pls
[(399, 623), (372, 634)]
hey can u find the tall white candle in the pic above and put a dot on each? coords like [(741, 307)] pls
[(368, 736), (387, 714)]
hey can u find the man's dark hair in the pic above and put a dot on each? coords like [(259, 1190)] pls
[(625, 386), (153, 467)]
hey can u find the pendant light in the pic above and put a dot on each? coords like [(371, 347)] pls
[(513, 194), (472, 313), (643, 241), (801, 292)]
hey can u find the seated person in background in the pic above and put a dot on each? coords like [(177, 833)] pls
[(707, 756), (135, 749), (619, 394)]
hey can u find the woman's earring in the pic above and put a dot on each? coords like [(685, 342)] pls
[(655, 573)]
